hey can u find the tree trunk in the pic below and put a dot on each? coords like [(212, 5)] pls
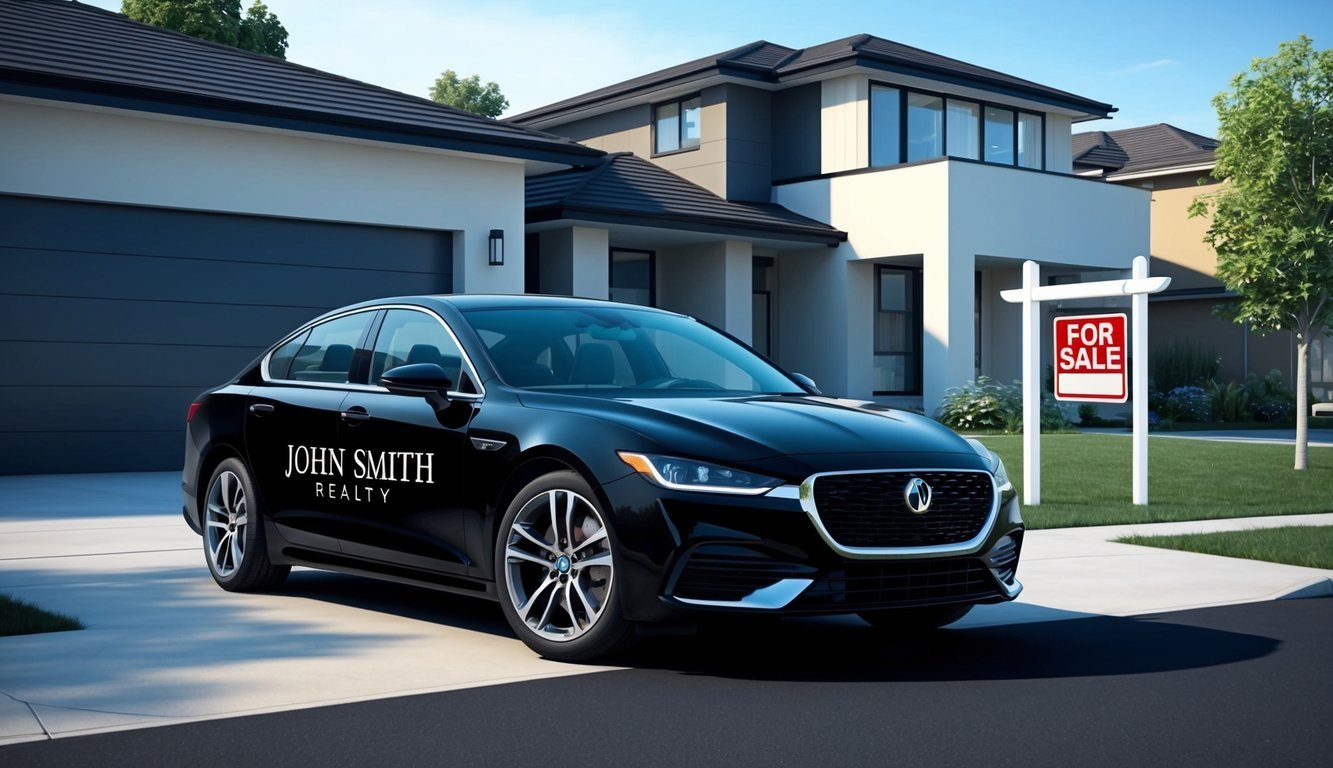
[(1302, 400)]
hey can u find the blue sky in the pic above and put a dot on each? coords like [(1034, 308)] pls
[(1156, 61)]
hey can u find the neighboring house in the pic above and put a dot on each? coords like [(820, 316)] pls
[(1175, 165), (169, 207), (944, 176)]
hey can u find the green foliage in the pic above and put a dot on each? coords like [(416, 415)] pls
[(1308, 546), (1270, 399), (19, 617), (1187, 404), (1182, 364), (1229, 402), (1272, 219), (469, 94), (1087, 414), (217, 20), (986, 404)]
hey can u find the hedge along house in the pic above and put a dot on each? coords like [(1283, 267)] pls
[(944, 176), (169, 207)]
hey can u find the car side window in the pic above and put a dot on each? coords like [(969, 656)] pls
[(280, 362), (326, 355), (407, 337)]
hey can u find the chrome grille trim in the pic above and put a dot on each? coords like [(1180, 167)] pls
[(971, 546)]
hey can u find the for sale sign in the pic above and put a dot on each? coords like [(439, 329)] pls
[(1090, 354)]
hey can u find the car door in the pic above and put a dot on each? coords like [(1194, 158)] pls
[(291, 428), (407, 454)]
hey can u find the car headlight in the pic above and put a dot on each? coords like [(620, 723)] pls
[(995, 463), (689, 475)]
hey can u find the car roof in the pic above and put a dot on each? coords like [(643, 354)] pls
[(472, 301)]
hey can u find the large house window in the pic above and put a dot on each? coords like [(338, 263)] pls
[(925, 126), (633, 276), (676, 125), (908, 126), (897, 331)]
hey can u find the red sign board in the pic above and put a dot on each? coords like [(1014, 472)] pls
[(1090, 358)]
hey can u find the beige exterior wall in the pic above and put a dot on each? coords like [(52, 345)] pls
[(1178, 249)]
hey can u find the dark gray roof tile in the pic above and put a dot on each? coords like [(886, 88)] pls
[(62, 49), (628, 189), (767, 62), (1146, 148)]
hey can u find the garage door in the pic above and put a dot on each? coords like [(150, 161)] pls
[(112, 318)]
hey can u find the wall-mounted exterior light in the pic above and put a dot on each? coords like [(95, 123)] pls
[(497, 247)]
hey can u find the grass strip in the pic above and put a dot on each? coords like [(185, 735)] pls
[(1085, 480), (19, 617), (1310, 546)]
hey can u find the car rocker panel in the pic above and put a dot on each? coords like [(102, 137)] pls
[(592, 466)]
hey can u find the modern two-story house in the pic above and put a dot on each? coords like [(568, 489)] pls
[(938, 177)]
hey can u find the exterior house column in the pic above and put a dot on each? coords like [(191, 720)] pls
[(575, 261), (948, 336), (710, 281)]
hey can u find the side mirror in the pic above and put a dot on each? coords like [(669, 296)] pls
[(806, 382), (417, 380)]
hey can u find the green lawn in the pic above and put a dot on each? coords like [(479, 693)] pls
[(1086, 480), (1310, 546), (19, 617)]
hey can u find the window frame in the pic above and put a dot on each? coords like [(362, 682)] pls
[(679, 102), (982, 105), (916, 319)]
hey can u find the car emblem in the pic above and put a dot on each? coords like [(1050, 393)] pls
[(917, 496), (562, 564)]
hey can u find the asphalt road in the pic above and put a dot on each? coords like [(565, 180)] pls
[(1245, 685)]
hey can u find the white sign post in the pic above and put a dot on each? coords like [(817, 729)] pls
[(1030, 296)]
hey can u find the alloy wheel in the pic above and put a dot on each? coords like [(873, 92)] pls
[(225, 522), (558, 565)]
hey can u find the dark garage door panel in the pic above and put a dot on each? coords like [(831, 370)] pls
[(114, 317)]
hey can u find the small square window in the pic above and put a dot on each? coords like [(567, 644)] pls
[(677, 125)]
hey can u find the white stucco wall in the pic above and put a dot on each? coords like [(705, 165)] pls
[(710, 281), (576, 262), (943, 216), (57, 150)]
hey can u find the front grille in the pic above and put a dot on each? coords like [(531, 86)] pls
[(729, 573), (867, 509), (899, 584)]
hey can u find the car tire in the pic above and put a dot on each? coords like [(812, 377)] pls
[(915, 619), (235, 546), (555, 571)]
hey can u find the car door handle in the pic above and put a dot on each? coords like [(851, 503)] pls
[(261, 409), (355, 415)]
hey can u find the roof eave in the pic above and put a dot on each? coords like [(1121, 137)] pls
[(134, 98), (703, 224)]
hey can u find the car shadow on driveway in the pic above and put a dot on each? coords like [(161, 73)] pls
[(846, 650), (457, 611)]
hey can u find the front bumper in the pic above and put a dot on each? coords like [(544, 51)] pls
[(687, 554)]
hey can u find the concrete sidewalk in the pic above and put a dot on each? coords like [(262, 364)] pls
[(164, 644)]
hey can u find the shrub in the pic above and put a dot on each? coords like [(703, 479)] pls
[(1188, 404), (1183, 364), (988, 404), (1270, 400), (1087, 414), (1229, 402)]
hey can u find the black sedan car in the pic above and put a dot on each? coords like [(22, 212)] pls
[(595, 467)]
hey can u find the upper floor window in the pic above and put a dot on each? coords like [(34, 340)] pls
[(676, 125), (907, 126)]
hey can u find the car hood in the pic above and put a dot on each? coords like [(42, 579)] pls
[(785, 433)]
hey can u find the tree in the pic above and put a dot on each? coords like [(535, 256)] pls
[(217, 20), (469, 93), (1272, 219)]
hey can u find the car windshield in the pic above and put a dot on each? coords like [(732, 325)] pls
[(611, 349)]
